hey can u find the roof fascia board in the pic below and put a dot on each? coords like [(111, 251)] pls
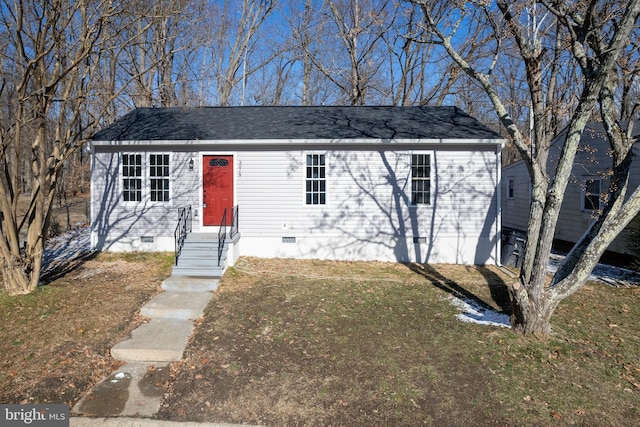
[(305, 142)]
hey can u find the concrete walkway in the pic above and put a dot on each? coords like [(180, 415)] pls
[(137, 388), (139, 422)]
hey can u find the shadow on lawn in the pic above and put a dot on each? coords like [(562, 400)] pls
[(65, 253), (497, 286), (55, 270)]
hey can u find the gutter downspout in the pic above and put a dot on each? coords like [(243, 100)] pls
[(498, 252), (92, 192)]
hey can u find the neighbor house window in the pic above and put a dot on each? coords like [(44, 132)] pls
[(510, 187), (315, 182), (420, 179), (132, 177), (591, 190), (159, 177)]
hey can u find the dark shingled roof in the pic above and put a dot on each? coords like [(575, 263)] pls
[(321, 122)]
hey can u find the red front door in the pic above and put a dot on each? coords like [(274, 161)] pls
[(217, 189)]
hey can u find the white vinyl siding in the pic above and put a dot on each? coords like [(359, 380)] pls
[(370, 202), (122, 225), (368, 212)]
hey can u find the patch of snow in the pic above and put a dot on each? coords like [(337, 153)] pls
[(68, 244), (74, 244), (472, 312), (611, 275)]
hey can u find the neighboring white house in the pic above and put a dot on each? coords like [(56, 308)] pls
[(349, 183), (582, 199)]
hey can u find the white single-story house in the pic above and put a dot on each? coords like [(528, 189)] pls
[(399, 184), (582, 199)]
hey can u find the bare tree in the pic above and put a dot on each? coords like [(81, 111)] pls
[(352, 64), (305, 35), (235, 41), (157, 42), (46, 64), (360, 26), (591, 38), (416, 74), (307, 27)]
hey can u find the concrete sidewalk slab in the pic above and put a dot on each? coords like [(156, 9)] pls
[(177, 305), (136, 389), (141, 422), (160, 340), (189, 284)]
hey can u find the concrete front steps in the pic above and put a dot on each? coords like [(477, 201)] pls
[(199, 256)]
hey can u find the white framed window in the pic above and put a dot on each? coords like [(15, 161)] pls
[(159, 177), (591, 191), (132, 177), (145, 177), (316, 179), (511, 185), (420, 179)]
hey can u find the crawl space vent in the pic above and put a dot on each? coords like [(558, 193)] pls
[(288, 240), (147, 239)]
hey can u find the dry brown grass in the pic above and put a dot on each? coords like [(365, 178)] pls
[(288, 342), (55, 343), (336, 343)]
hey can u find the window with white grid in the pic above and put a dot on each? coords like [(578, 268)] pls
[(159, 177), (420, 179), (316, 182), (132, 177)]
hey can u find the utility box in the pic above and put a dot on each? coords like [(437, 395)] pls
[(513, 242)]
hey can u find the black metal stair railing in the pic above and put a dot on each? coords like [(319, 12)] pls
[(185, 223), (234, 222), (222, 232), (222, 235)]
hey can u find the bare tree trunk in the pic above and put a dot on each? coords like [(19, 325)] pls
[(307, 65), (308, 28), (54, 48)]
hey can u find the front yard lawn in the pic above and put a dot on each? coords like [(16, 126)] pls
[(288, 342), (54, 343)]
